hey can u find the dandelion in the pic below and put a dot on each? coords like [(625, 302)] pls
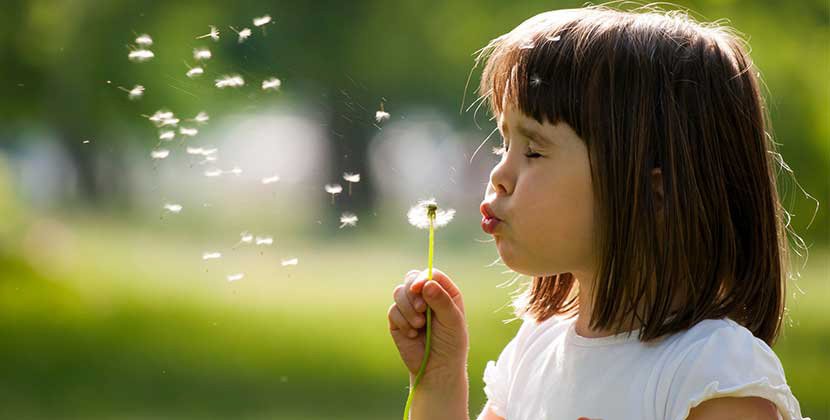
[(173, 208), (271, 84), (144, 40), (271, 179), (333, 189), (426, 214), (235, 277), (211, 255), (243, 34), (196, 71), (167, 135), (348, 219), (212, 173), (381, 115), (234, 80), (213, 34), (351, 178), (159, 153), (201, 117), (188, 131), (201, 54), (264, 20), (140, 55), (289, 261), (264, 240)]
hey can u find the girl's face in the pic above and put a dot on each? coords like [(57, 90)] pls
[(541, 191)]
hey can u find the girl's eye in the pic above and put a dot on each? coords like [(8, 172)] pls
[(532, 155)]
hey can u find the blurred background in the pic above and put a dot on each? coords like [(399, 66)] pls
[(113, 300)]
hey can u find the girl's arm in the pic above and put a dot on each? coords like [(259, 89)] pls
[(488, 414), (442, 397), (723, 408)]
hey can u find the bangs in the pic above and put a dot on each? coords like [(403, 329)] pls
[(543, 67)]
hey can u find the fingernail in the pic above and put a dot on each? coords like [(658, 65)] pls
[(419, 304), (432, 289)]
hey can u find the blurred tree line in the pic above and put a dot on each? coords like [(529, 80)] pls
[(345, 57)]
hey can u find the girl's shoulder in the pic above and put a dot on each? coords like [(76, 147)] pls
[(719, 358)]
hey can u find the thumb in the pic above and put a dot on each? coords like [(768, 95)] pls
[(442, 304)]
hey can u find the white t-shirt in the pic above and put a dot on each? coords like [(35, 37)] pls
[(549, 372)]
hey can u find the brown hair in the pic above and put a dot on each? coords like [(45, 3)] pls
[(644, 90)]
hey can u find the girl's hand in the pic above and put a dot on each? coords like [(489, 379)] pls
[(407, 324)]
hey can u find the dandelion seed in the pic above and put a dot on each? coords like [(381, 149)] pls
[(271, 84), (351, 178), (212, 173), (201, 54), (235, 277), (246, 238), (188, 131), (236, 170), (553, 38), (348, 219), (289, 261), (208, 152), (195, 150), (196, 71), (535, 80), (201, 117), (167, 135), (271, 179), (169, 121), (244, 34), (140, 55), (208, 159), (381, 115), (420, 214), (333, 189), (264, 20), (136, 92), (144, 40), (213, 34), (173, 208), (230, 81), (264, 240), (159, 153), (498, 151), (211, 255), (85, 142), (160, 116), (527, 45)]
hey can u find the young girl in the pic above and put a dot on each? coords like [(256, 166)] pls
[(637, 187)]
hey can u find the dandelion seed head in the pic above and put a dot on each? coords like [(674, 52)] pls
[(289, 261), (167, 135), (420, 214), (188, 131), (196, 71), (264, 240), (263, 20), (381, 116), (144, 40), (271, 84), (348, 219), (211, 255), (333, 188), (136, 92), (159, 153), (235, 277), (234, 80), (173, 208), (271, 179), (350, 177), (244, 34), (202, 54), (140, 55)]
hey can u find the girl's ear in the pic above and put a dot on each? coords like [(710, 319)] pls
[(657, 188)]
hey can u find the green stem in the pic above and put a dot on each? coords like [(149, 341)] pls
[(429, 323)]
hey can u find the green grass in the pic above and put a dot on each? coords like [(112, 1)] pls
[(110, 321)]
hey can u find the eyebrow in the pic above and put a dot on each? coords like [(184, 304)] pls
[(532, 134)]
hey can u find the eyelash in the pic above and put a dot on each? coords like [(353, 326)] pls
[(498, 151)]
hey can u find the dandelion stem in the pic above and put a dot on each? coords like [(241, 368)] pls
[(423, 367)]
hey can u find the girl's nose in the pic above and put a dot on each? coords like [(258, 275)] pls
[(501, 181)]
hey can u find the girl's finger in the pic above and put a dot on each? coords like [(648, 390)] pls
[(405, 306), (438, 276), (398, 322)]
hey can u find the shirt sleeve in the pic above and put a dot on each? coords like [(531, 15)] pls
[(498, 374), (729, 363)]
